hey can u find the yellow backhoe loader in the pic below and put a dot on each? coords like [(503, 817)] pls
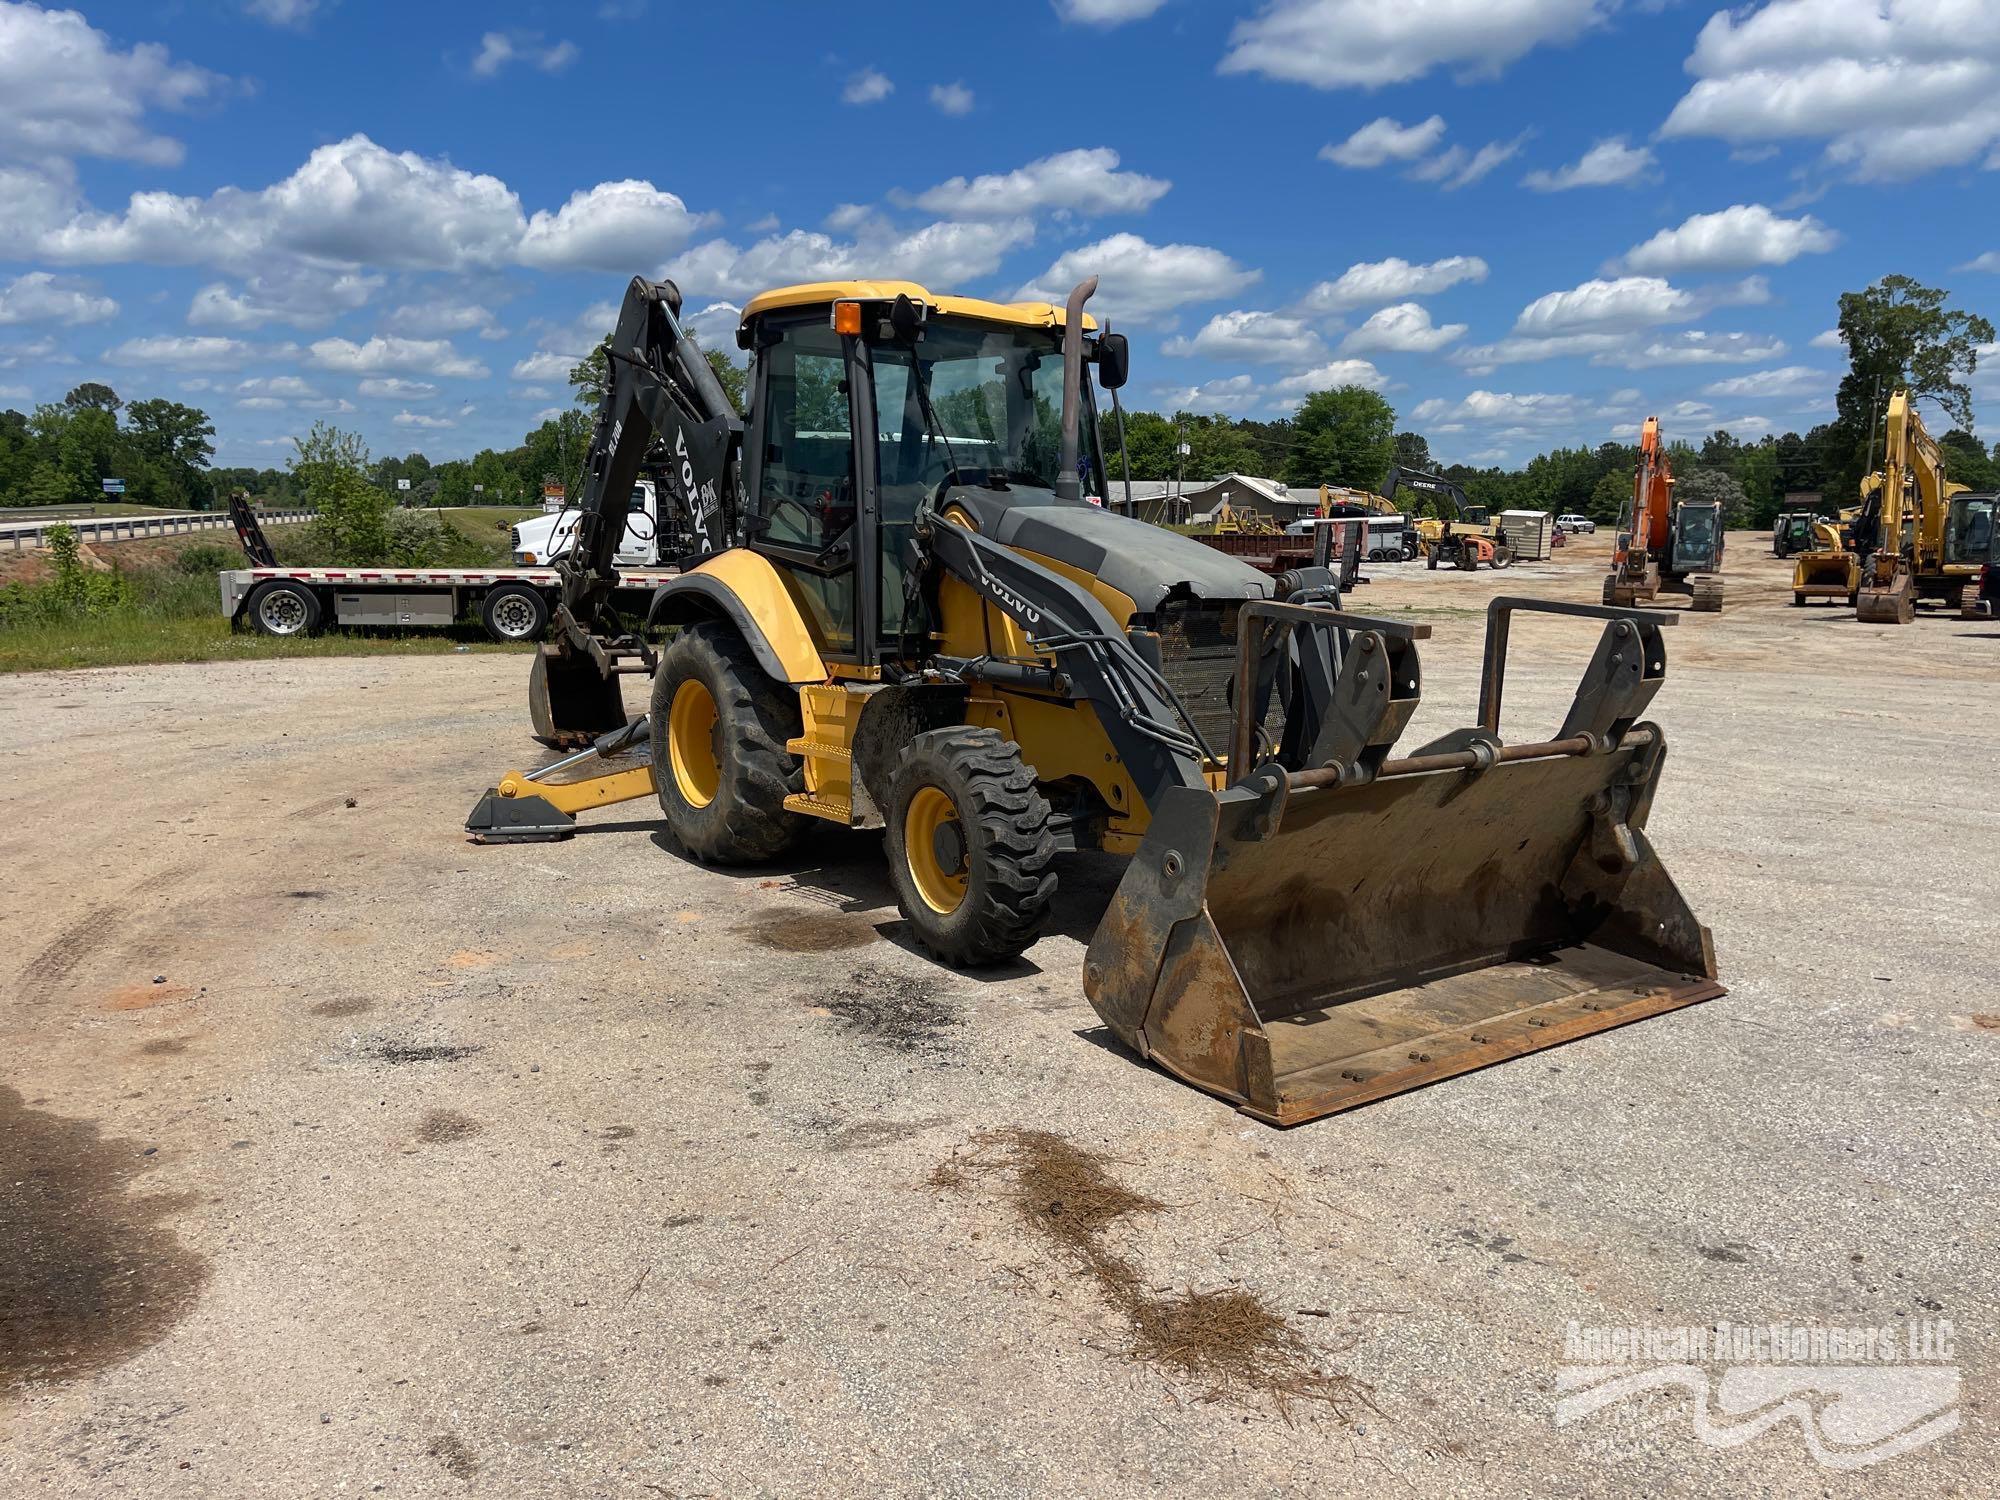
[(911, 616)]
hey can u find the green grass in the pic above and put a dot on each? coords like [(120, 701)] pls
[(122, 640), (170, 611)]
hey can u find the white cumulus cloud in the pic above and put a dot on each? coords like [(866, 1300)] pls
[(1251, 337), (951, 98), (1328, 376), (943, 255), (382, 355), (1332, 44), (1385, 140), (1788, 380), (1404, 328), (1393, 280), (1745, 234), (499, 48), (1138, 280), (1600, 306), (866, 87), (204, 352), (38, 297), (1084, 182), (66, 90), (613, 226), (1106, 12), (1891, 87), (1606, 164)]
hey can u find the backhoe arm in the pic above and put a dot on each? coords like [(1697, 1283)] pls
[(658, 384)]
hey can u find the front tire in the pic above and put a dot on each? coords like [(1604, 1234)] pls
[(969, 846), (720, 767)]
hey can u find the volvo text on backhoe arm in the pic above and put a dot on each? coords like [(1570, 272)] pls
[(924, 624)]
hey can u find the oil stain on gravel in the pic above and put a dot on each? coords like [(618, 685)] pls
[(808, 932), (895, 1012), (399, 1053), (1229, 1343), (88, 1279), (459, 1461), (336, 1008), (440, 1127)]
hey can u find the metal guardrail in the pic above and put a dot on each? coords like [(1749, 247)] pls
[(23, 536)]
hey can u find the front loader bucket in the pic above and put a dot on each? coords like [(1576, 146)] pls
[(1300, 946), (1825, 575)]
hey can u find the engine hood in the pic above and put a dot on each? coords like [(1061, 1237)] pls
[(1146, 562)]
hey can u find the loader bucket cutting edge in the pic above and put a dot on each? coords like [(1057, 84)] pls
[(1385, 936)]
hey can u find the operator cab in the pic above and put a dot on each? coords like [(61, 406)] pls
[(946, 394)]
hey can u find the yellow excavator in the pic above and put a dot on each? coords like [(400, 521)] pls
[(909, 613), (1828, 569), (1912, 528)]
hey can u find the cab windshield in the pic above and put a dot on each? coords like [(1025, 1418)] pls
[(997, 395)]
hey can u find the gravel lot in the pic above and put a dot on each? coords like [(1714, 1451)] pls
[(341, 1157)]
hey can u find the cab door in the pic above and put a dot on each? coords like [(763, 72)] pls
[(801, 486)]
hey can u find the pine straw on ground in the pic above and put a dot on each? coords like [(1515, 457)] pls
[(1229, 1342)]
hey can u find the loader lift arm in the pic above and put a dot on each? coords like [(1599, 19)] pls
[(658, 387)]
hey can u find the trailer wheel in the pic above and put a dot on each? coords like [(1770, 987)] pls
[(514, 612), (969, 846), (282, 608), (719, 760)]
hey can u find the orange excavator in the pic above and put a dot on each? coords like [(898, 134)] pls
[(1665, 545)]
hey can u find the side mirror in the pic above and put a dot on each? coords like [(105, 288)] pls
[(1114, 360)]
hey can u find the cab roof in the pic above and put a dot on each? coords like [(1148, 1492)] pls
[(810, 293)]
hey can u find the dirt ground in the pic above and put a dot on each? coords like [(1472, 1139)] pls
[(341, 1157)]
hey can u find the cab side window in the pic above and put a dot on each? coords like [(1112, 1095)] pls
[(806, 496)]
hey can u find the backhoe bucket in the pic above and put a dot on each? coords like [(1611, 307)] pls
[(570, 702), (1300, 945)]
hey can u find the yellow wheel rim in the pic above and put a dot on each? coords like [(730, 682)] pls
[(691, 744), (931, 814)]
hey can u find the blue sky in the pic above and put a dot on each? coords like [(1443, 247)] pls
[(1530, 222)]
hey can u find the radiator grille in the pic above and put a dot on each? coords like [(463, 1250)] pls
[(1198, 657)]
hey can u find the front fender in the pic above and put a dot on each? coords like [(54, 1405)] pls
[(743, 588)]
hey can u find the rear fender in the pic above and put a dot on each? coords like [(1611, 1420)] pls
[(745, 590)]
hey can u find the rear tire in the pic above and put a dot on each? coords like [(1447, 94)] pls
[(969, 846), (281, 608), (720, 766), (1798, 600), (514, 612)]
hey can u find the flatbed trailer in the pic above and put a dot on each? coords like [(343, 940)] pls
[(514, 604)]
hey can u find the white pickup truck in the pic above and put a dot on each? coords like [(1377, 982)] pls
[(514, 604)]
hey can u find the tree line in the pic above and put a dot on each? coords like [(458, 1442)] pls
[(62, 453), (1897, 333)]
